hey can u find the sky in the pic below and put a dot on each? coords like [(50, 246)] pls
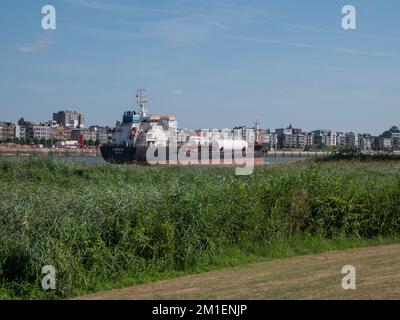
[(212, 64)]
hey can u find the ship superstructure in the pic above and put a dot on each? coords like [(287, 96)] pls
[(138, 129)]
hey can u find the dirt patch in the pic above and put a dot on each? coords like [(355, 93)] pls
[(306, 277)]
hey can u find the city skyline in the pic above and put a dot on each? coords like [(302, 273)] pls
[(77, 120), (211, 64), (68, 130)]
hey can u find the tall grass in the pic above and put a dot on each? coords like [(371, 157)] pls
[(101, 224)]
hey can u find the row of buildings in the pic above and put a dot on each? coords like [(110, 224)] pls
[(70, 126), (293, 138), (65, 126)]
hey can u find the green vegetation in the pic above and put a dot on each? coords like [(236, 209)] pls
[(326, 148), (355, 155), (108, 226), (47, 143), (29, 142)]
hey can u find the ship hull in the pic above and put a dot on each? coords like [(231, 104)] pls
[(120, 155), (169, 156)]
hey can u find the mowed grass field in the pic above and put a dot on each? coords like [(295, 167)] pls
[(105, 227), (306, 277)]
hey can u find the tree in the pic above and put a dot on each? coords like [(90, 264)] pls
[(48, 143), (91, 143)]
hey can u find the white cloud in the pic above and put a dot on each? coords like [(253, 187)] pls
[(37, 46), (177, 92)]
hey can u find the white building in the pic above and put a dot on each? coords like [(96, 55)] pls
[(340, 139), (39, 132), (325, 137)]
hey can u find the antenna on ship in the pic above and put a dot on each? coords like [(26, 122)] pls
[(141, 97)]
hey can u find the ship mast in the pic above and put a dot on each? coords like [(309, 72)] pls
[(141, 97), (256, 130)]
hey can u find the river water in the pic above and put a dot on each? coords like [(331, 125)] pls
[(100, 160), (85, 160)]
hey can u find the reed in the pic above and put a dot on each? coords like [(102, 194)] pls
[(100, 224)]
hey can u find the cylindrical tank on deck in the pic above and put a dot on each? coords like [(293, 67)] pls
[(227, 144)]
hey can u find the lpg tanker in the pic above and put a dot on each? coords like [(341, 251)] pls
[(153, 140)]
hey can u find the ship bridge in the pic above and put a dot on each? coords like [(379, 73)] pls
[(130, 117)]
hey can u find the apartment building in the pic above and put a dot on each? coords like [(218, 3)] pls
[(271, 140), (71, 119), (365, 142), (394, 135), (39, 132), (325, 137), (7, 132), (61, 133), (352, 140), (341, 139), (308, 139), (290, 138), (87, 134), (382, 143), (103, 134)]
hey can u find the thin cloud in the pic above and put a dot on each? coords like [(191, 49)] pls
[(297, 26), (272, 41), (105, 34), (179, 31), (308, 45), (117, 8), (177, 92), (38, 46), (175, 24), (369, 53), (321, 29)]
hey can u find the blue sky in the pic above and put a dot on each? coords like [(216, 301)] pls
[(213, 64)]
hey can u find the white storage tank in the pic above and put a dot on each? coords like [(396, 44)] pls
[(227, 144)]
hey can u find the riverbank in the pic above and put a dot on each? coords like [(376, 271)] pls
[(103, 227), (66, 153), (92, 160), (48, 152), (296, 154)]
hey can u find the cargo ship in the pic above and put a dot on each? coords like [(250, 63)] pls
[(153, 140)]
